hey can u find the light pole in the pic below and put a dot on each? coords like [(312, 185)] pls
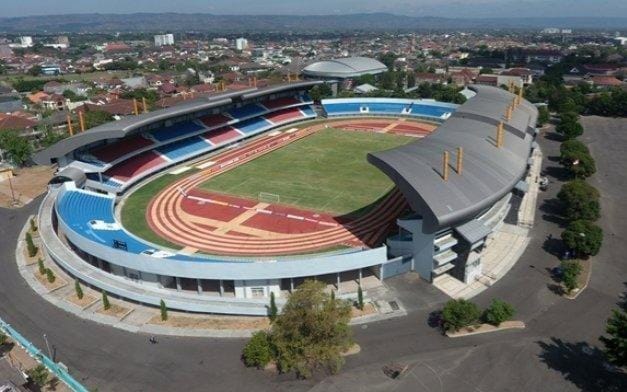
[(48, 346)]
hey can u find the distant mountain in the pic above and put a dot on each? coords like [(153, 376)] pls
[(144, 22)]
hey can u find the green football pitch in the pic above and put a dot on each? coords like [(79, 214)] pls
[(326, 172)]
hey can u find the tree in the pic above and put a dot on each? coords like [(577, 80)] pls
[(35, 70), (388, 59), (497, 312), (258, 352), (30, 245), (38, 375), (41, 267), (616, 343), (411, 80), (582, 165), (574, 155), (105, 301), (312, 331), (583, 237), (163, 310), (579, 200), (458, 313), (17, 148), (320, 91), (543, 115), (360, 298), (272, 309), (50, 276), (569, 128), (486, 71), (93, 118), (388, 80), (78, 289), (571, 269), (3, 339)]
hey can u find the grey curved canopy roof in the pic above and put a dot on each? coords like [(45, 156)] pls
[(345, 67), (128, 124), (488, 172)]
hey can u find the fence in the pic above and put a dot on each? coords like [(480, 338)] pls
[(58, 371)]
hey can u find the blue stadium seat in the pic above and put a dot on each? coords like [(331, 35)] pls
[(77, 208), (253, 125), (184, 148), (308, 110), (176, 130)]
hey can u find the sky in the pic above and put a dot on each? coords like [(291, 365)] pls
[(447, 8)]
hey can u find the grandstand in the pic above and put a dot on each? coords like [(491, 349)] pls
[(427, 109), (442, 218)]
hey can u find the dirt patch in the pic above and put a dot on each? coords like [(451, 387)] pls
[(27, 184), (368, 309), (485, 328), (58, 282), (81, 302), (116, 311), (212, 322), (352, 350)]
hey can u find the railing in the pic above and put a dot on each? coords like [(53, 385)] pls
[(60, 372)]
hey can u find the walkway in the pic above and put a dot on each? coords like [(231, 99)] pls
[(505, 246)]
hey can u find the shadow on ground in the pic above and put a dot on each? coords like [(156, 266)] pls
[(583, 365)]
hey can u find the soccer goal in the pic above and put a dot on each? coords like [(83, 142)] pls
[(272, 198)]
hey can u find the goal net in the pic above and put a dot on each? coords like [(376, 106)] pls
[(271, 198)]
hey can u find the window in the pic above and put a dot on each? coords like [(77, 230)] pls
[(257, 292)]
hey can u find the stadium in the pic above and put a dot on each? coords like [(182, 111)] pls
[(214, 204)]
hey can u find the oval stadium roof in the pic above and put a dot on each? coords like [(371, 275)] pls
[(489, 172), (348, 67)]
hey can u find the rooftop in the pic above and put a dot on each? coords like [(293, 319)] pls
[(345, 67)]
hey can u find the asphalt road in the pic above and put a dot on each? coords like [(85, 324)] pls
[(557, 352)]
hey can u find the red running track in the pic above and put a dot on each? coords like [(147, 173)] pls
[(174, 215)]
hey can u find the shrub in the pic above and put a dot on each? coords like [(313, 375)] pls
[(50, 275), (164, 310), (579, 200), (360, 298), (272, 309), (3, 339), (583, 237), (39, 375), (105, 301), (33, 225), (30, 245), (41, 267), (78, 289), (570, 274), (258, 351), (458, 314), (497, 312)]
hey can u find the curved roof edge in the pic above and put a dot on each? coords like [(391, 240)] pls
[(124, 126), (489, 172), (344, 67)]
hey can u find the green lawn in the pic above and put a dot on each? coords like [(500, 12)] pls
[(326, 171)]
